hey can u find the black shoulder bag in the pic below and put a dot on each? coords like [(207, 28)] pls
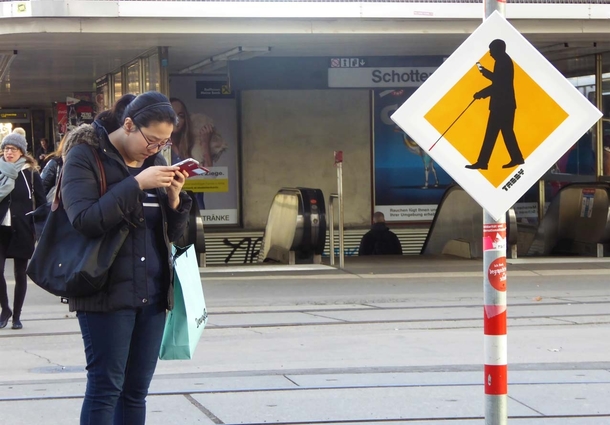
[(67, 263)]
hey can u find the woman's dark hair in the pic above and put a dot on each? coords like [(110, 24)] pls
[(57, 153), (184, 140), (143, 110)]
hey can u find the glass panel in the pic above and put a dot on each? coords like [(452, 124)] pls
[(153, 73), (133, 78), (118, 86), (580, 160), (606, 110)]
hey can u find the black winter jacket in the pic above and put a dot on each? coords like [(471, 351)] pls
[(120, 206), (49, 174), (380, 241), (20, 203)]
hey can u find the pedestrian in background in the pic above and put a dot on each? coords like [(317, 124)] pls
[(122, 325), (380, 240), (50, 172), (42, 152), (20, 191)]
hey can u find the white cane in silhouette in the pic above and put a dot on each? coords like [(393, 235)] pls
[(459, 116)]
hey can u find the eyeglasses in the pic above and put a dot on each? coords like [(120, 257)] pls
[(158, 145), (10, 149)]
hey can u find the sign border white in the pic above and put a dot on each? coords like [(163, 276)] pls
[(581, 114)]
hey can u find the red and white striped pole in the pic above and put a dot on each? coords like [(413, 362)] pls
[(494, 271), (494, 288)]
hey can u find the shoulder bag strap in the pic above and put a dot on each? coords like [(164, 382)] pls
[(100, 166), (57, 198)]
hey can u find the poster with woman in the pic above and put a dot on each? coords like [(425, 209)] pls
[(207, 132)]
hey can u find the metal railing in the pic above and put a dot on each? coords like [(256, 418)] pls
[(331, 229)]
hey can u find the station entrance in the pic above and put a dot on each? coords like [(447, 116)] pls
[(282, 106)]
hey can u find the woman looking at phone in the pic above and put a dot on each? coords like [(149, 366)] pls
[(122, 325)]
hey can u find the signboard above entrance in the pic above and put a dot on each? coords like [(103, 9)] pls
[(496, 84), (15, 115), (213, 90), (321, 73), (380, 72), (378, 77)]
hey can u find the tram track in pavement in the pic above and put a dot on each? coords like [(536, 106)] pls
[(292, 386), (418, 420), (211, 402), (323, 316), (209, 411)]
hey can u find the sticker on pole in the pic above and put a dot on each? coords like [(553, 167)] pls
[(496, 115)]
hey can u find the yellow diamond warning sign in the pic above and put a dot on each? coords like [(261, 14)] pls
[(532, 127), (496, 115)]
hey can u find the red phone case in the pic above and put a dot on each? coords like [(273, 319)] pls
[(192, 168)]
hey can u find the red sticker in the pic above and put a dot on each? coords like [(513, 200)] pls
[(497, 274)]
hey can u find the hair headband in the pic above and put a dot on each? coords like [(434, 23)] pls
[(154, 105)]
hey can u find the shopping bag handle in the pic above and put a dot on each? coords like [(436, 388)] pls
[(179, 251)]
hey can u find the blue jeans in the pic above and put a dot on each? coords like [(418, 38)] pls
[(122, 348)]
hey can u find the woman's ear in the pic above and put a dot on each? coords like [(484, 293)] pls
[(129, 125)]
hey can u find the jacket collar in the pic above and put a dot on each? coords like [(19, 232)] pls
[(378, 227)]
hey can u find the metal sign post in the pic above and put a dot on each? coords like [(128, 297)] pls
[(495, 351), (496, 182), (494, 294), (339, 165)]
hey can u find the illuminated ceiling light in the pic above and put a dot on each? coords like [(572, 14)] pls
[(6, 58), (219, 61)]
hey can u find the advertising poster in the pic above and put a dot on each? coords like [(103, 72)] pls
[(72, 114), (102, 94), (408, 184), (207, 132), (61, 112)]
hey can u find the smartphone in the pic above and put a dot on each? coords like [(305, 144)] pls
[(192, 167), (479, 66)]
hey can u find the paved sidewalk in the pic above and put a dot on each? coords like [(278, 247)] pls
[(390, 341)]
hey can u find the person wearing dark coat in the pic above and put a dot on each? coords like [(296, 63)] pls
[(50, 172), (122, 325), (20, 191), (42, 152), (380, 240)]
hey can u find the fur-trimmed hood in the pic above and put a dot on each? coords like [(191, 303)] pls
[(85, 133)]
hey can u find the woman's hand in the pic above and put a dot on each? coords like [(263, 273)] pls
[(205, 137), (205, 134), (173, 191), (157, 176)]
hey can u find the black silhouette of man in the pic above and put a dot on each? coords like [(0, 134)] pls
[(502, 107)]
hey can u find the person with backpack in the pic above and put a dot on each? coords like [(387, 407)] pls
[(380, 240)]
